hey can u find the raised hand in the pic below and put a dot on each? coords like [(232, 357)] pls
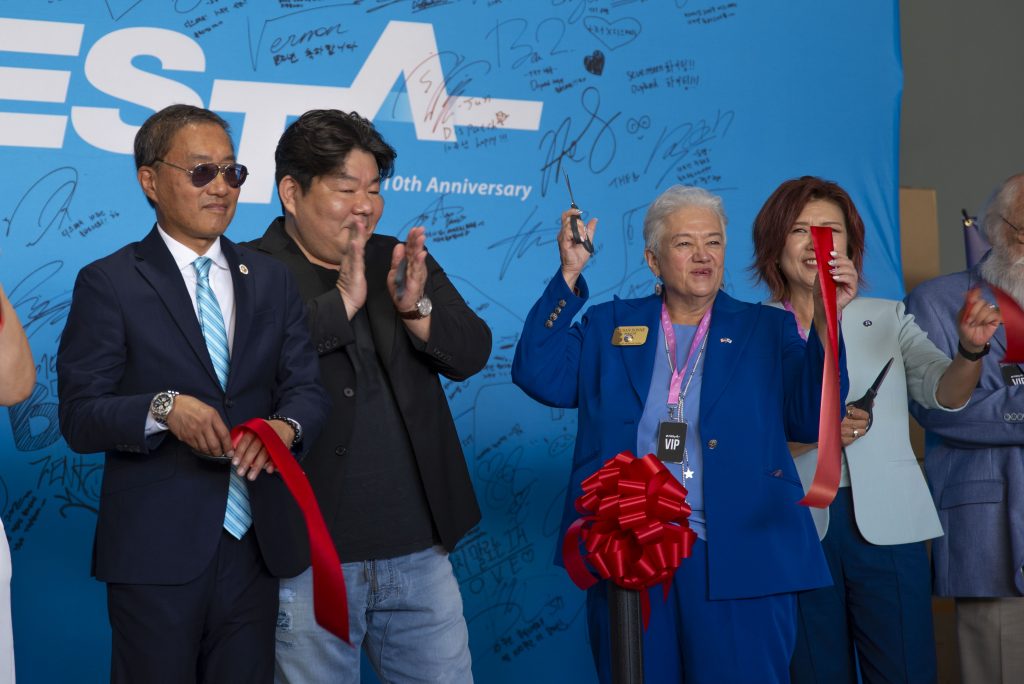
[(845, 276), (352, 270), (414, 252), (977, 321), (574, 256)]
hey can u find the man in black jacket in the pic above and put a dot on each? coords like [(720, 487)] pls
[(388, 470)]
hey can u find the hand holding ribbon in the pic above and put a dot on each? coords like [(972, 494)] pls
[(634, 527), (330, 603)]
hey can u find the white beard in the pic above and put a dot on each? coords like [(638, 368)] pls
[(1005, 272)]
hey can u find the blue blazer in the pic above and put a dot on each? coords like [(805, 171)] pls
[(132, 332), (974, 458), (761, 387)]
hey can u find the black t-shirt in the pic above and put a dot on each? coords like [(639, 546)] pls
[(382, 509)]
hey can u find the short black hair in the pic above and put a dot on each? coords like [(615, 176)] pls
[(154, 138), (319, 142)]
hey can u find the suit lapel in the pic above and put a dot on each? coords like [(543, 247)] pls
[(728, 337), (156, 265), (639, 361)]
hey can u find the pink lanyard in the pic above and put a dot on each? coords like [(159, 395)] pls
[(789, 308), (676, 393)]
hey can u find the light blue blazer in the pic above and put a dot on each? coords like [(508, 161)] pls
[(891, 501), (974, 459), (761, 386)]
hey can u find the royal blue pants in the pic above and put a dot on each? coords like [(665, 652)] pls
[(695, 640)]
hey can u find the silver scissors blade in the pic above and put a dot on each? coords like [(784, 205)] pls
[(572, 200)]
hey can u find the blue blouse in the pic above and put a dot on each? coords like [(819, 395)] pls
[(656, 410)]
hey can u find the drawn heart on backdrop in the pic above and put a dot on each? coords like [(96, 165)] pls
[(594, 63), (613, 34)]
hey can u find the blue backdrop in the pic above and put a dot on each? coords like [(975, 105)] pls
[(485, 101)]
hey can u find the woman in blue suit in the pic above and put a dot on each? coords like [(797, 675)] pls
[(883, 512), (746, 383)]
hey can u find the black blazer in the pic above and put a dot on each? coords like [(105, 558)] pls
[(459, 346), (132, 332)]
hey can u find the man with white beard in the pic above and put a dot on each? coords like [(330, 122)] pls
[(974, 459)]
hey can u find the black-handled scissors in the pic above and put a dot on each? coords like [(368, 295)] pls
[(867, 402), (575, 221)]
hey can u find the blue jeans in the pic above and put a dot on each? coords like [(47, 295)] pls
[(405, 612)]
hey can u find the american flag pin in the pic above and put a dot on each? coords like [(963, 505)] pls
[(726, 340), (244, 269)]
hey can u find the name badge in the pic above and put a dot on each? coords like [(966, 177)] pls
[(629, 335), (1013, 375), (671, 442)]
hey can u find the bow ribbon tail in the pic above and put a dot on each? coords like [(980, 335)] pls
[(826, 474), (330, 601), (573, 559), (1013, 323)]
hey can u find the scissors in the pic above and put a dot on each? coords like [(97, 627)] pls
[(585, 241)]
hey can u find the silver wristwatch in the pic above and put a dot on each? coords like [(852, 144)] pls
[(422, 310), (162, 405)]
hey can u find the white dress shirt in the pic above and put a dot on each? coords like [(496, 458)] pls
[(220, 283)]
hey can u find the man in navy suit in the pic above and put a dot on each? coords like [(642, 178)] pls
[(169, 342), (975, 459)]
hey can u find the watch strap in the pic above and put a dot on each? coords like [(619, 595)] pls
[(973, 356), (423, 308)]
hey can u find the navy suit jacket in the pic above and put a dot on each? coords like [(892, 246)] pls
[(974, 458), (131, 333), (761, 386)]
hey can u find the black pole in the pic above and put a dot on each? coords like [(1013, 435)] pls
[(626, 635)]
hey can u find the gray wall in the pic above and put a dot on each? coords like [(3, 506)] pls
[(963, 107)]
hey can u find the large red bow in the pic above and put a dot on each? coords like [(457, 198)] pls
[(634, 527)]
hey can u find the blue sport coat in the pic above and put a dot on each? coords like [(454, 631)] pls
[(131, 333), (761, 386), (974, 458)]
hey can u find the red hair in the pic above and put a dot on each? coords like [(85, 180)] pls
[(776, 219)]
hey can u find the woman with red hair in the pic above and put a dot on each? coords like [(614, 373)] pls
[(878, 611)]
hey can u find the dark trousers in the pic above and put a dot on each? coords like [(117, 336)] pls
[(695, 640), (217, 628), (880, 603)]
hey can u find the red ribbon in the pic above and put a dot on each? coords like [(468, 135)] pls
[(1013, 323), (330, 602), (826, 474), (634, 528)]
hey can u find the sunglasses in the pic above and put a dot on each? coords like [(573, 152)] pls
[(203, 174)]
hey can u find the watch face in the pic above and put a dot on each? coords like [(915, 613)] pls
[(424, 306), (162, 404)]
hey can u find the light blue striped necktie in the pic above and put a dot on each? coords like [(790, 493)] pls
[(237, 517)]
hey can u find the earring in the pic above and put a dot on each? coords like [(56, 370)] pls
[(657, 287)]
